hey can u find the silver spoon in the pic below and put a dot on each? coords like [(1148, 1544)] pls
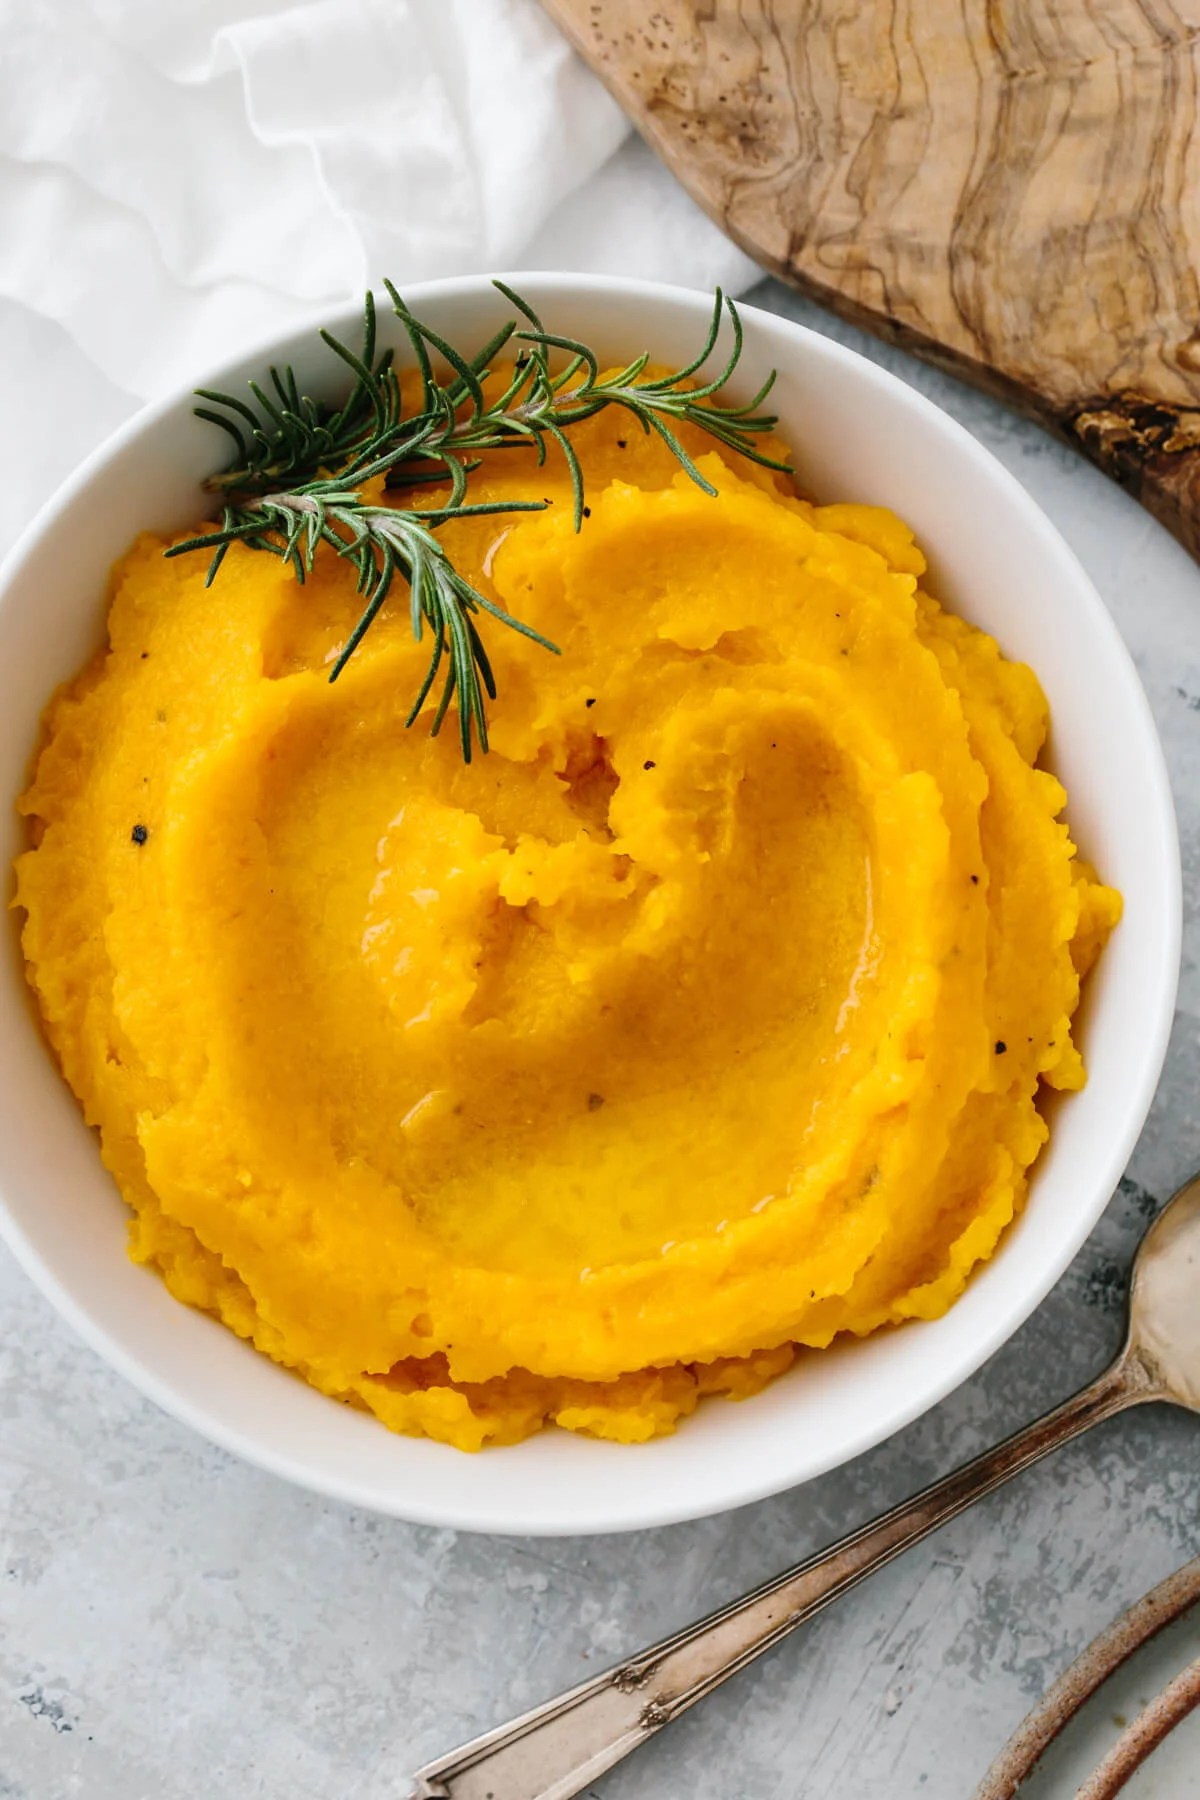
[(557, 1749)]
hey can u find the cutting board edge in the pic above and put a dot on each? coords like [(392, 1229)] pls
[(1148, 446)]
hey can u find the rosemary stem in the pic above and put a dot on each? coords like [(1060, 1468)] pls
[(299, 476)]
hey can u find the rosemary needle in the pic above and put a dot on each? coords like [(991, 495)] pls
[(300, 468)]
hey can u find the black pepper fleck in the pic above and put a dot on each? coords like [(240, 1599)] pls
[(620, 443), (1001, 1046), (587, 512), (648, 764), (139, 834), (595, 1102), (974, 881), (590, 702)]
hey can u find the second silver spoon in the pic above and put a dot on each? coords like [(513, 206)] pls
[(558, 1748)]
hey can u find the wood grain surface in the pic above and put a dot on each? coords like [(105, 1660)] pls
[(1011, 188)]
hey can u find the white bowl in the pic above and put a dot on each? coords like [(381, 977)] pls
[(859, 435)]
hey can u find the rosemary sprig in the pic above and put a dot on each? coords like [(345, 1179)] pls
[(300, 469)]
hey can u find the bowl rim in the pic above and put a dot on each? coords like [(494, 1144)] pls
[(651, 1511)]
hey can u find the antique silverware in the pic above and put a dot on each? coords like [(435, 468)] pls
[(1061, 1705), (558, 1748)]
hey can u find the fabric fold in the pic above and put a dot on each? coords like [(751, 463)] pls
[(178, 182)]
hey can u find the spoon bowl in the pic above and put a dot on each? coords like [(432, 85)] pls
[(1164, 1301)]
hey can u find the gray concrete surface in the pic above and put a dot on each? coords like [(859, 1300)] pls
[(174, 1625)]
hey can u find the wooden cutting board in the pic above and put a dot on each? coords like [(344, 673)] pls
[(1011, 188)]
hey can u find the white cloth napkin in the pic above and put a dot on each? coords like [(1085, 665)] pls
[(181, 176)]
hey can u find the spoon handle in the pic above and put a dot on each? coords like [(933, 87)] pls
[(558, 1748)]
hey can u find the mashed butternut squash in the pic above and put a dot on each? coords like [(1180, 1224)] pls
[(704, 1018)]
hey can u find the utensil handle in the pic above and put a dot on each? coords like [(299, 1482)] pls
[(558, 1748)]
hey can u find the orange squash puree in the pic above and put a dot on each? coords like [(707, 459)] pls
[(705, 1017)]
